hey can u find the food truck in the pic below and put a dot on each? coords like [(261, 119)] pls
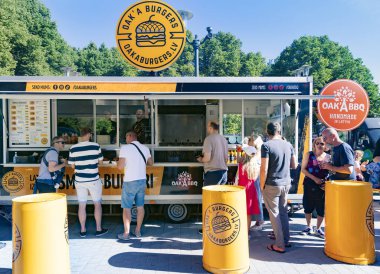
[(170, 115)]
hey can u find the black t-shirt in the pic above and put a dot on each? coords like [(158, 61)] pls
[(343, 155), (279, 153)]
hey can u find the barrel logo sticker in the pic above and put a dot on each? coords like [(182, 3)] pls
[(17, 243), (222, 224), (13, 181), (66, 230), (151, 35), (370, 219)]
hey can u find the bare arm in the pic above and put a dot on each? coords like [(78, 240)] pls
[(293, 162), (121, 164), (53, 166), (304, 170), (346, 169), (146, 109), (206, 158), (263, 172), (149, 162)]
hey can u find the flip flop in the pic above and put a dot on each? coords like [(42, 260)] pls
[(271, 248)]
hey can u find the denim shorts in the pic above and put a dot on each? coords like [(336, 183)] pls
[(133, 191)]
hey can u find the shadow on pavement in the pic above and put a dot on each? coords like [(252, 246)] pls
[(158, 262), (163, 243)]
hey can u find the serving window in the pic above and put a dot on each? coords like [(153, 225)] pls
[(135, 115), (72, 115)]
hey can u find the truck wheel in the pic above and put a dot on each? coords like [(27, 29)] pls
[(176, 213), (134, 214)]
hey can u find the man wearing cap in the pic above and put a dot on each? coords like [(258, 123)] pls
[(50, 163), (277, 158), (85, 157)]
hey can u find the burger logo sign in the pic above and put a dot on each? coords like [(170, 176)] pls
[(150, 35), (222, 224), (349, 107)]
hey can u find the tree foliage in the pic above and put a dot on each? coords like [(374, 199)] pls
[(329, 62), (30, 42)]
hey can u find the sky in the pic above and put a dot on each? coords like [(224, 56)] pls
[(266, 26)]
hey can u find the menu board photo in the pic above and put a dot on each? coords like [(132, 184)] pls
[(29, 123)]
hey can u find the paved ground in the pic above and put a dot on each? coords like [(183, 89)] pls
[(172, 248)]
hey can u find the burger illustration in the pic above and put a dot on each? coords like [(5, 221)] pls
[(220, 223), (150, 34)]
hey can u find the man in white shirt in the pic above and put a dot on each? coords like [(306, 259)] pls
[(133, 159)]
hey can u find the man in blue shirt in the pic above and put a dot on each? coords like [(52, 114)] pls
[(50, 163), (343, 158)]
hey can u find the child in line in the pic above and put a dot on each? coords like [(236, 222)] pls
[(248, 172)]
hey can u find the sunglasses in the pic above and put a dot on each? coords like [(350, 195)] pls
[(317, 144), (62, 142)]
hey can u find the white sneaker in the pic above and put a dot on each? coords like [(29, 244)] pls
[(319, 233), (256, 227)]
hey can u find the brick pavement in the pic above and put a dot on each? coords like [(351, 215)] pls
[(177, 248)]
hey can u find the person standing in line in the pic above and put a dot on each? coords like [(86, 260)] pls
[(259, 218), (343, 159), (248, 172), (277, 158), (84, 158), (314, 193), (50, 164), (214, 158), (133, 159)]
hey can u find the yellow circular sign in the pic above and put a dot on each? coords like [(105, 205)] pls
[(151, 35), (13, 181)]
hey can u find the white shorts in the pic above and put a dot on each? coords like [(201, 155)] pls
[(95, 188)]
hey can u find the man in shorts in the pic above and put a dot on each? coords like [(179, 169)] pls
[(85, 157), (133, 159)]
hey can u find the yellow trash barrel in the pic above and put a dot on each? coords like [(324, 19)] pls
[(349, 218), (40, 234), (225, 234)]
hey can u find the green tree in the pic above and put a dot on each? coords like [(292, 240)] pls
[(30, 42), (329, 62), (93, 61), (253, 64)]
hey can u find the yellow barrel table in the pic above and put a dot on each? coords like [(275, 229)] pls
[(225, 234), (349, 218), (40, 234)]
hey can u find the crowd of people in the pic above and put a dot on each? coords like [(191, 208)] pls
[(263, 170)]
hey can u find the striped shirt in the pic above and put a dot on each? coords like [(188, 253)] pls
[(85, 156)]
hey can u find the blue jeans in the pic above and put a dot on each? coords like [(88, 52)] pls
[(42, 187), (133, 191), (215, 177), (259, 217)]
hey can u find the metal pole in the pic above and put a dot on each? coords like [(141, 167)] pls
[(196, 58)]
